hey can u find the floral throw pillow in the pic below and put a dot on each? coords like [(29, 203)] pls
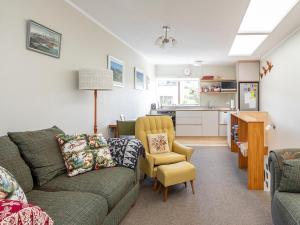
[(78, 157), (81, 155), (9, 187), (96, 141), (103, 158), (158, 143)]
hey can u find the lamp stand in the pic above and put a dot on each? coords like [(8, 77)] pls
[(95, 111)]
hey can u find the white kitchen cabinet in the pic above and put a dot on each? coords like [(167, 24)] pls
[(210, 123), (188, 123), (248, 71), (188, 130), (222, 130)]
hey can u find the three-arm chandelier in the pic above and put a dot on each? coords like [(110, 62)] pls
[(165, 40)]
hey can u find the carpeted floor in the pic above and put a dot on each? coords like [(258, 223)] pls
[(221, 196)]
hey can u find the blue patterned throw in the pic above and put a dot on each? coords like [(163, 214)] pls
[(125, 151)]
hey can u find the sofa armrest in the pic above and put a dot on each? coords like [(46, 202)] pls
[(181, 149), (275, 165)]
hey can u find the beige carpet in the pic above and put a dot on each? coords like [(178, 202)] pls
[(221, 197)]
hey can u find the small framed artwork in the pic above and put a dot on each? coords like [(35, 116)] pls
[(139, 79), (42, 39), (118, 68)]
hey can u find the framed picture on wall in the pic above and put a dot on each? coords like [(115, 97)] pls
[(139, 79), (118, 68), (42, 39)]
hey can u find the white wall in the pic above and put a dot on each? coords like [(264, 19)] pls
[(224, 71), (280, 92), (38, 91)]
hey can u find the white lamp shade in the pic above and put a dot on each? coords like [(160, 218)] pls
[(95, 79)]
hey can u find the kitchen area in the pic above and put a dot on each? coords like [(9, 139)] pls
[(200, 99)]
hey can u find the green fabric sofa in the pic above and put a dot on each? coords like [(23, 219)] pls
[(285, 206), (98, 197)]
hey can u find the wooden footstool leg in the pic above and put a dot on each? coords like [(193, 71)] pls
[(165, 193), (192, 185)]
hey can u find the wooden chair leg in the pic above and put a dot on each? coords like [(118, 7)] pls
[(192, 185), (159, 187), (155, 184), (165, 194), (185, 184)]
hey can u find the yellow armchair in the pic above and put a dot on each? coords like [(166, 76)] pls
[(155, 125)]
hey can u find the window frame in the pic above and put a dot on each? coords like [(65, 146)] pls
[(178, 80)]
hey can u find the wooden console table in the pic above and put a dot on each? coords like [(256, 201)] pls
[(251, 129)]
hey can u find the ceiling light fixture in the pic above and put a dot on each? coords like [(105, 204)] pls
[(165, 40), (244, 45)]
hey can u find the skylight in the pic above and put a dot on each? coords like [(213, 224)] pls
[(244, 45), (262, 16)]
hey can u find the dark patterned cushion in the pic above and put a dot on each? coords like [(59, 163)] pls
[(125, 151), (290, 180), (41, 152)]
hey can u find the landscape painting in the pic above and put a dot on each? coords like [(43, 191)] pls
[(117, 66), (43, 40), (139, 79)]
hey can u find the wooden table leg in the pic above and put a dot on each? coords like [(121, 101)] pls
[(165, 194), (192, 185)]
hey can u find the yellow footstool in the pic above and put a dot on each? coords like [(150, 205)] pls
[(176, 173)]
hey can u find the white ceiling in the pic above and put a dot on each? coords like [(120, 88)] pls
[(204, 29)]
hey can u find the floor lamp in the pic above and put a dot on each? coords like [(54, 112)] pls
[(94, 80)]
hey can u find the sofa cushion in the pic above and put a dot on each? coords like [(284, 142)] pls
[(41, 151), (67, 208), (111, 183), (286, 208), (11, 160), (167, 158), (290, 180)]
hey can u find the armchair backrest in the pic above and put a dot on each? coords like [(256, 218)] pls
[(154, 125), (126, 128)]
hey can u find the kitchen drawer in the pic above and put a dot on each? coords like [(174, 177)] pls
[(188, 130), (188, 114), (188, 120), (222, 130)]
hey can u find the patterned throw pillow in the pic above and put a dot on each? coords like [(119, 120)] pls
[(158, 143), (16, 213), (103, 158), (96, 141), (9, 187), (78, 155), (126, 151)]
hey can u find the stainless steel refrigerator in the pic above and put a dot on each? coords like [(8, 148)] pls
[(248, 96)]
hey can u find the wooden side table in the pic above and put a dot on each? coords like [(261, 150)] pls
[(113, 128)]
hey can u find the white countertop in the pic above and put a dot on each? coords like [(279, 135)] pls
[(194, 109)]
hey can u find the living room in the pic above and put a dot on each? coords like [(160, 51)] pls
[(215, 82)]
